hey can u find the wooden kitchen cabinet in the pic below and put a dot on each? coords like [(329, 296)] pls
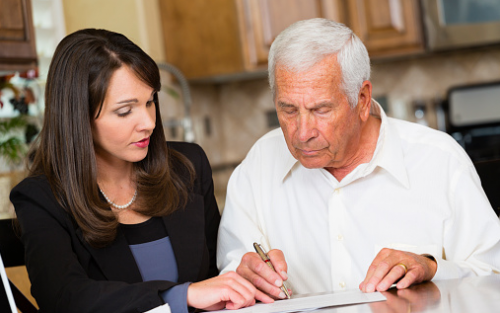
[(263, 20), (220, 39), (387, 27), (17, 37)]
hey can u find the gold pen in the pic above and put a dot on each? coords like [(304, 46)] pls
[(265, 258)]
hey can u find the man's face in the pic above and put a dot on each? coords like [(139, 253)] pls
[(320, 128)]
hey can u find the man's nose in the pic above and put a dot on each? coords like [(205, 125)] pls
[(306, 127)]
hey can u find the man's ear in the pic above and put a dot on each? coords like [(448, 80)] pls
[(365, 100)]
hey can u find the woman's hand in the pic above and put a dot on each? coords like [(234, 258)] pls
[(229, 290)]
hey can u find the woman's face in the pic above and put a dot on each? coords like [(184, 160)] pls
[(121, 132)]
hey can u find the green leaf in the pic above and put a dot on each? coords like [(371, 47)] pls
[(8, 125), (13, 149)]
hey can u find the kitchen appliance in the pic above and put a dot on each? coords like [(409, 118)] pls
[(473, 119), (460, 23)]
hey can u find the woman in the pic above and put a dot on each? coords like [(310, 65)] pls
[(112, 218)]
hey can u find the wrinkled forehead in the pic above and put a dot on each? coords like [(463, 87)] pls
[(324, 75)]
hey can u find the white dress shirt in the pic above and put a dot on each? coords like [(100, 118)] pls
[(419, 193)]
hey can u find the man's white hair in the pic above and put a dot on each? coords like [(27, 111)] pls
[(305, 43)]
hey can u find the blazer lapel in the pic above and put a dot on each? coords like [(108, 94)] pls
[(186, 231), (116, 260)]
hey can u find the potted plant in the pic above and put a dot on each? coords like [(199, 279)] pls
[(14, 138), (12, 151), (12, 145)]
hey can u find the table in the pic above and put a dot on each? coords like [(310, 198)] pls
[(471, 294)]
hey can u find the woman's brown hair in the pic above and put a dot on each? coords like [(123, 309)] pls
[(77, 82)]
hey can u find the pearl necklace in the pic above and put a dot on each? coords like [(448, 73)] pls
[(119, 207)]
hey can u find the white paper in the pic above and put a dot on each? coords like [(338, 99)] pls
[(160, 309), (313, 301)]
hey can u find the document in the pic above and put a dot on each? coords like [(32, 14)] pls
[(313, 301)]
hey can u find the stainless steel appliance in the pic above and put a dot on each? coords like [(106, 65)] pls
[(461, 23), (473, 119)]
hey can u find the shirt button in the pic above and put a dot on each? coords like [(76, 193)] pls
[(340, 237), (342, 284), (337, 191)]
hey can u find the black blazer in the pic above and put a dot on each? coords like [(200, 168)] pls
[(68, 275)]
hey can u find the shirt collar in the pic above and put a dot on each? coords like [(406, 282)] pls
[(388, 154), (288, 165)]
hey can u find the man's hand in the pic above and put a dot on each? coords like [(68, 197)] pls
[(262, 276), (390, 266), (229, 290)]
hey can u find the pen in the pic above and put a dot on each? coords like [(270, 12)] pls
[(265, 258)]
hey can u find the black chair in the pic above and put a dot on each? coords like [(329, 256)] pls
[(489, 172), (12, 251)]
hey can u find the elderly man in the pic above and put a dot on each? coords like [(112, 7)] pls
[(350, 197)]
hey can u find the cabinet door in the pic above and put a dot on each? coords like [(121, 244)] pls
[(262, 20), (201, 37), (17, 38), (387, 27)]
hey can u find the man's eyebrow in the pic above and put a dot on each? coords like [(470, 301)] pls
[(322, 105), (284, 104), (318, 105)]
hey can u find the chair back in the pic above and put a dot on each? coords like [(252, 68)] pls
[(12, 252)]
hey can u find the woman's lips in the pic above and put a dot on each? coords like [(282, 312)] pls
[(142, 143)]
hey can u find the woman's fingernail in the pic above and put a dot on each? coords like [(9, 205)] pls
[(282, 295), (284, 275), (278, 283)]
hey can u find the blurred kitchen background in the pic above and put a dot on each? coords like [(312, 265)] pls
[(435, 62)]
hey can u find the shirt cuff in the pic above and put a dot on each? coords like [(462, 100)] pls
[(176, 297), (445, 270)]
